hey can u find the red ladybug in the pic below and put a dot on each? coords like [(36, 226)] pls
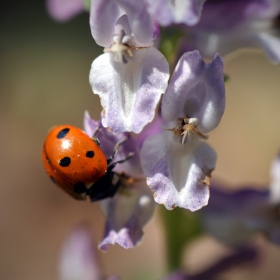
[(75, 163)]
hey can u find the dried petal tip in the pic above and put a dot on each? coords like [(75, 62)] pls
[(123, 47), (185, 126), (206, 181)]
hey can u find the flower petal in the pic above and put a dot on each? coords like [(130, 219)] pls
[(141, 23), (196, 89), (108, 17), (78, 258), (127, 213), (103, 18), (245, 254), (63, 10), (129, 92), (271, 46), (167, 12), (230, 217), (150, 129), (177, 174)]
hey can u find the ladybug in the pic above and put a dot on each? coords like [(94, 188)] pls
[(75, 162)]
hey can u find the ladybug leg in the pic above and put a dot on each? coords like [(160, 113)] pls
[(95, 139), (112, 166), (96, 131), (104, 187), (111, 158)]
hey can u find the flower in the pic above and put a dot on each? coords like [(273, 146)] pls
[(129, 92), (226, 213), (78, 258), (231, 24), (257, 212), (63, 10), (132, 75), (167, 12), (178, 168), (133, 205)]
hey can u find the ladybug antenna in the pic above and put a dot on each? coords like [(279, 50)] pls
[(95, 139)]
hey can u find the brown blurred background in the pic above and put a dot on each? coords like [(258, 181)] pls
[(43, 82)]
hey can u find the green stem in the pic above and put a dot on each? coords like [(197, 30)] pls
[(87, 5), (170, 37), (181, 226)]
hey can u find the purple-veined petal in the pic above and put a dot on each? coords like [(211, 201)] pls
[(177, 174), (107, 143), (126, 214), (196, 89), (78, 258), (63, 10), (129, 92), (233, 217), (150, 129), (141, 23), (238, 257), (226, 216), (103, 18), (270, 45), (107, 18), (167, 12), (90, 125)]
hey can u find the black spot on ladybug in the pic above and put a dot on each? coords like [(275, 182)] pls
[(54, 181), (80, 187), (62, 133), (64, 162), (90, 154)]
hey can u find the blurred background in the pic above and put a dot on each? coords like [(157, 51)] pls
[(44, 82)]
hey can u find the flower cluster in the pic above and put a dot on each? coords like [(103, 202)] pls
[(166, 110), (169, 120)]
